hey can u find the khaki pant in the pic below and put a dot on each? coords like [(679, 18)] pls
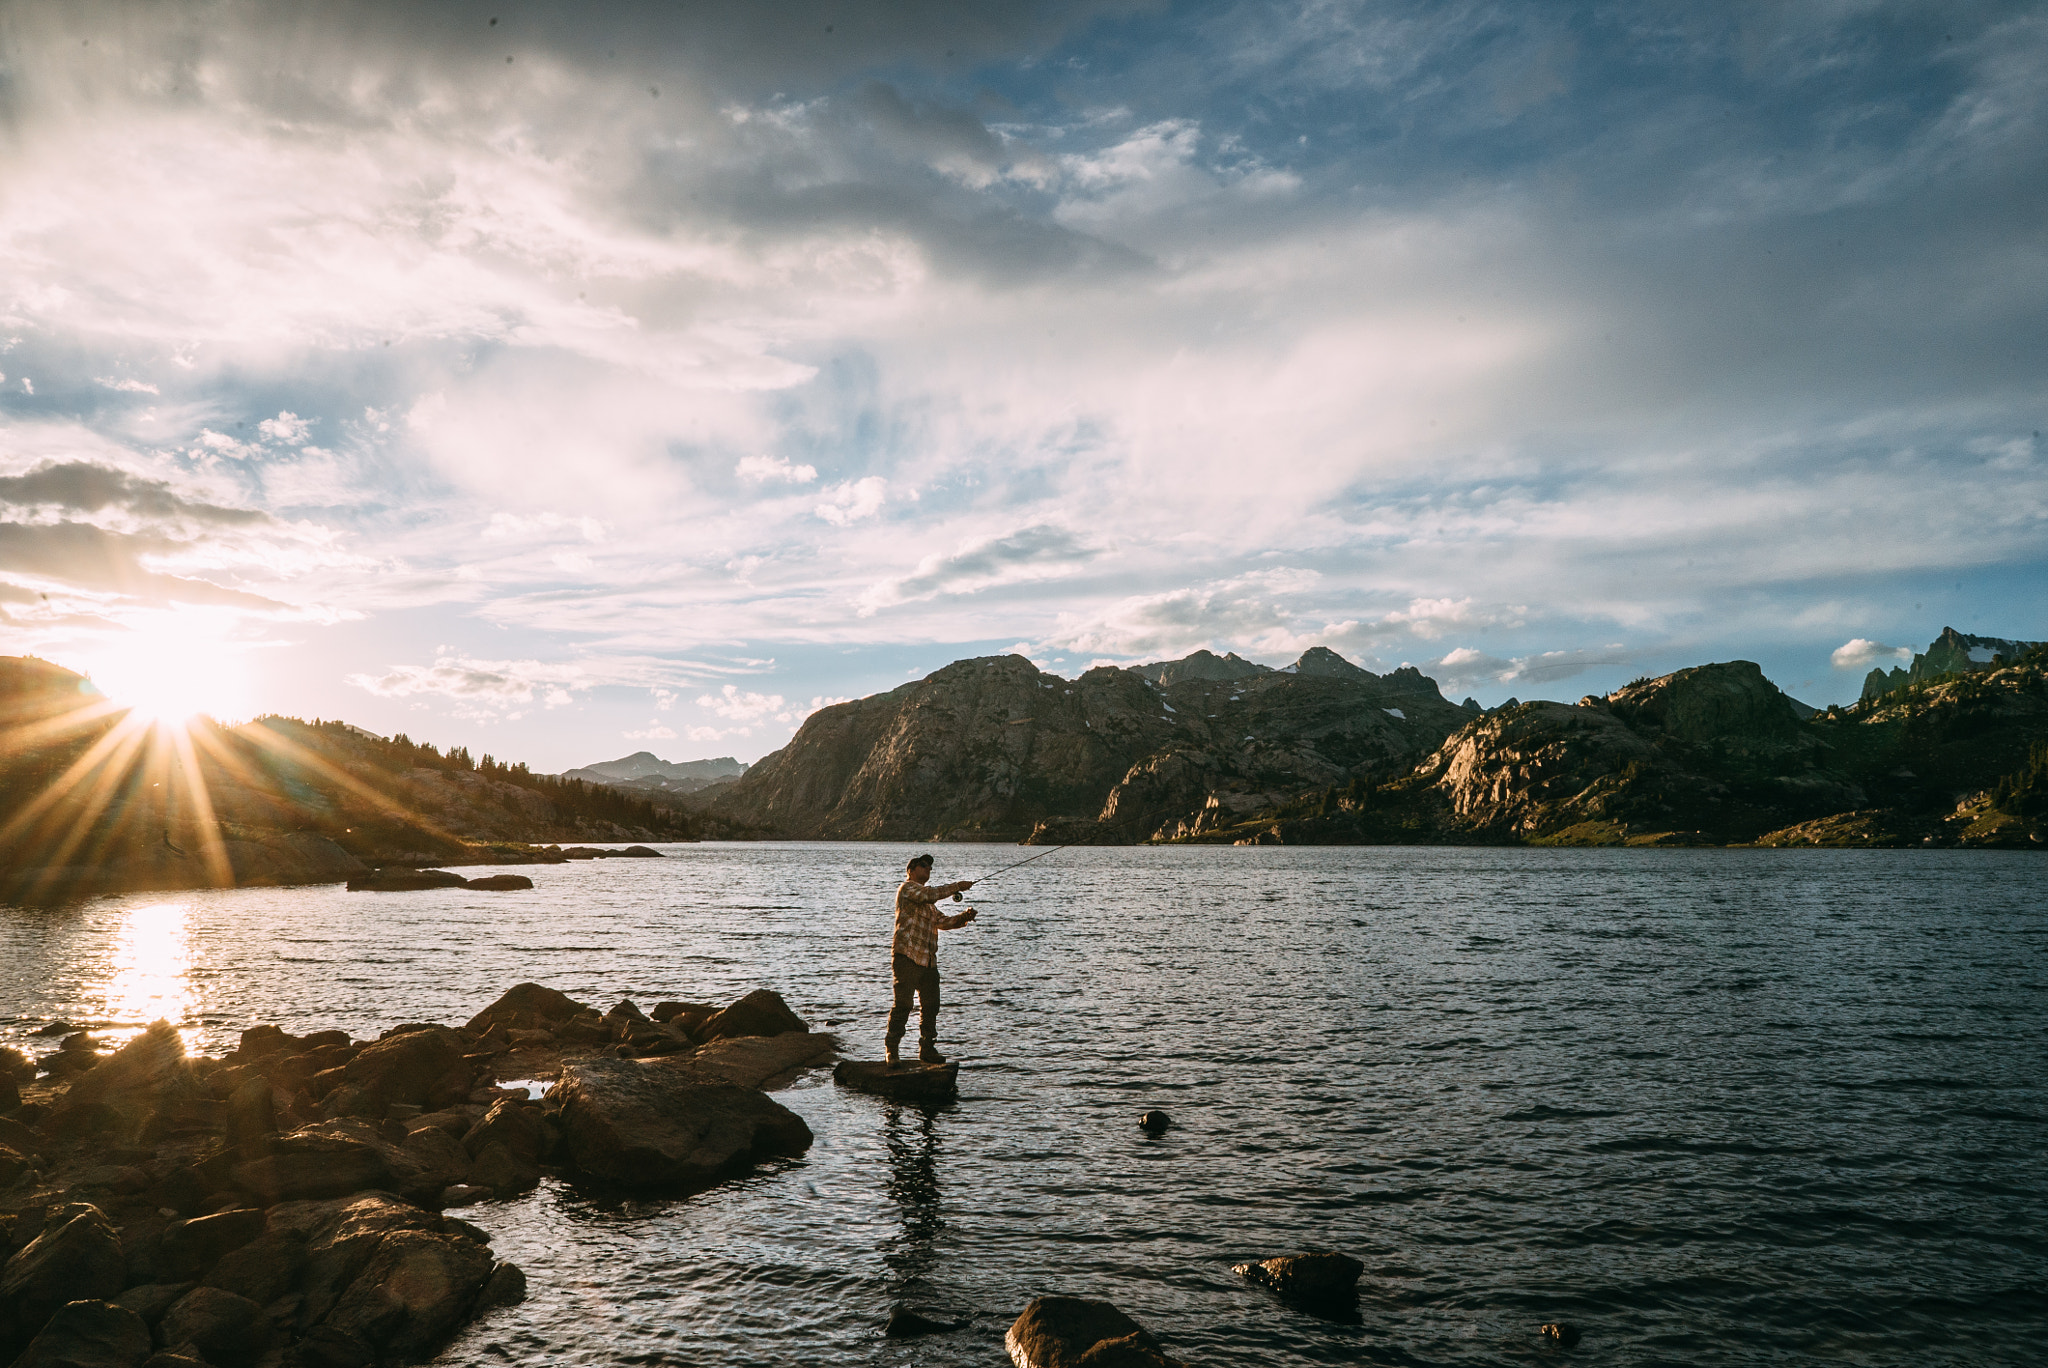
[(923, 980)]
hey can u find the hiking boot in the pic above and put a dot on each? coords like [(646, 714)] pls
[(889, 1056), (928, 1055)]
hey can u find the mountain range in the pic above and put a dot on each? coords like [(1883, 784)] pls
[(643, 771), (1203, 749), (1211, 748)]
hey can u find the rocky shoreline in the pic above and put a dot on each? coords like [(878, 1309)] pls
[(286, 1203)]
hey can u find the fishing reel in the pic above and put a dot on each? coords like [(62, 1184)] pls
[(958, 896)]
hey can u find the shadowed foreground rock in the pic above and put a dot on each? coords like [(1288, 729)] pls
[(278, 1206), (1069, 1332), (89, 1334), (651, 1124), (78, 1255)]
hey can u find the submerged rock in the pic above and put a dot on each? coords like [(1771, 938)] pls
[(501, 883), (654, 1125), (1562, 1335), (1067, 1332), (391, 880), (1321, 1283), (907, 1324), (1155, 1122)]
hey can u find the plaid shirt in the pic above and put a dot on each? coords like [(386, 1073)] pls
[(918, 920)]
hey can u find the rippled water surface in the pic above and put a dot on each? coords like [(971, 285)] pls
[(1714, 1107)]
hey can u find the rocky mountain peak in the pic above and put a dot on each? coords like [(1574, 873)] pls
[(1952, 652), (1707, 703), (1321, 660), (1200, 665)]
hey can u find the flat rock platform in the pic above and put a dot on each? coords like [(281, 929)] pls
[(905, 1082)]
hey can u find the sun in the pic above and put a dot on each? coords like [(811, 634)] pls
[(173, 668)]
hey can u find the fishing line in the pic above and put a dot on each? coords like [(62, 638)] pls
[(1020, 864)]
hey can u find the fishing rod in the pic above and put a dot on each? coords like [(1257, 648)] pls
[(1020, 864)]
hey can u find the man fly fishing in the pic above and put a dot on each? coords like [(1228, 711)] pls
[(914, 956)]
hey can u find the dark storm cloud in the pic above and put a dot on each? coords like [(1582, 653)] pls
[(82, 487)]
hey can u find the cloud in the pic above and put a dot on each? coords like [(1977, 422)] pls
[(742, 706), (853, 500), (1241, 611), (763, 469), (1037, 552), (83, 487), (1465, 668), (286, 427), (1860, 653), (1430, 618), (128, 386), (654, 731), (484, 690)]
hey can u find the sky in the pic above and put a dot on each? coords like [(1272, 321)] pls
[(569, 380)]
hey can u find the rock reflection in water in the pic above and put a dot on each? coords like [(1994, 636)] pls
[(913, 1144)]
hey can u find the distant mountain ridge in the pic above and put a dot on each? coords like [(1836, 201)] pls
[(643, 770), (1952, 652)]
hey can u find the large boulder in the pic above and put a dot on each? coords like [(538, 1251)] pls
[(416, 1170), (77, 1257), (384, 1280), (311, 1164), (89, 1334), (527, 1006), (225, 1328), (412, 1293), (339, 1238), (148, 1075), (262, 1270), (13, 1164), (423, 1067), (1070, 1332), (759, 1013), (192, 1247), (648, 1124), (507, 1147)]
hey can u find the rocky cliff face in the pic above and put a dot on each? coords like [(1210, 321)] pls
[(993, 748), (1711, 755)]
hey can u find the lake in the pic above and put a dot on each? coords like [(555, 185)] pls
[(1712, 1107)]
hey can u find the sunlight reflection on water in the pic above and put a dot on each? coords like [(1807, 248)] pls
[(150, 970)]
